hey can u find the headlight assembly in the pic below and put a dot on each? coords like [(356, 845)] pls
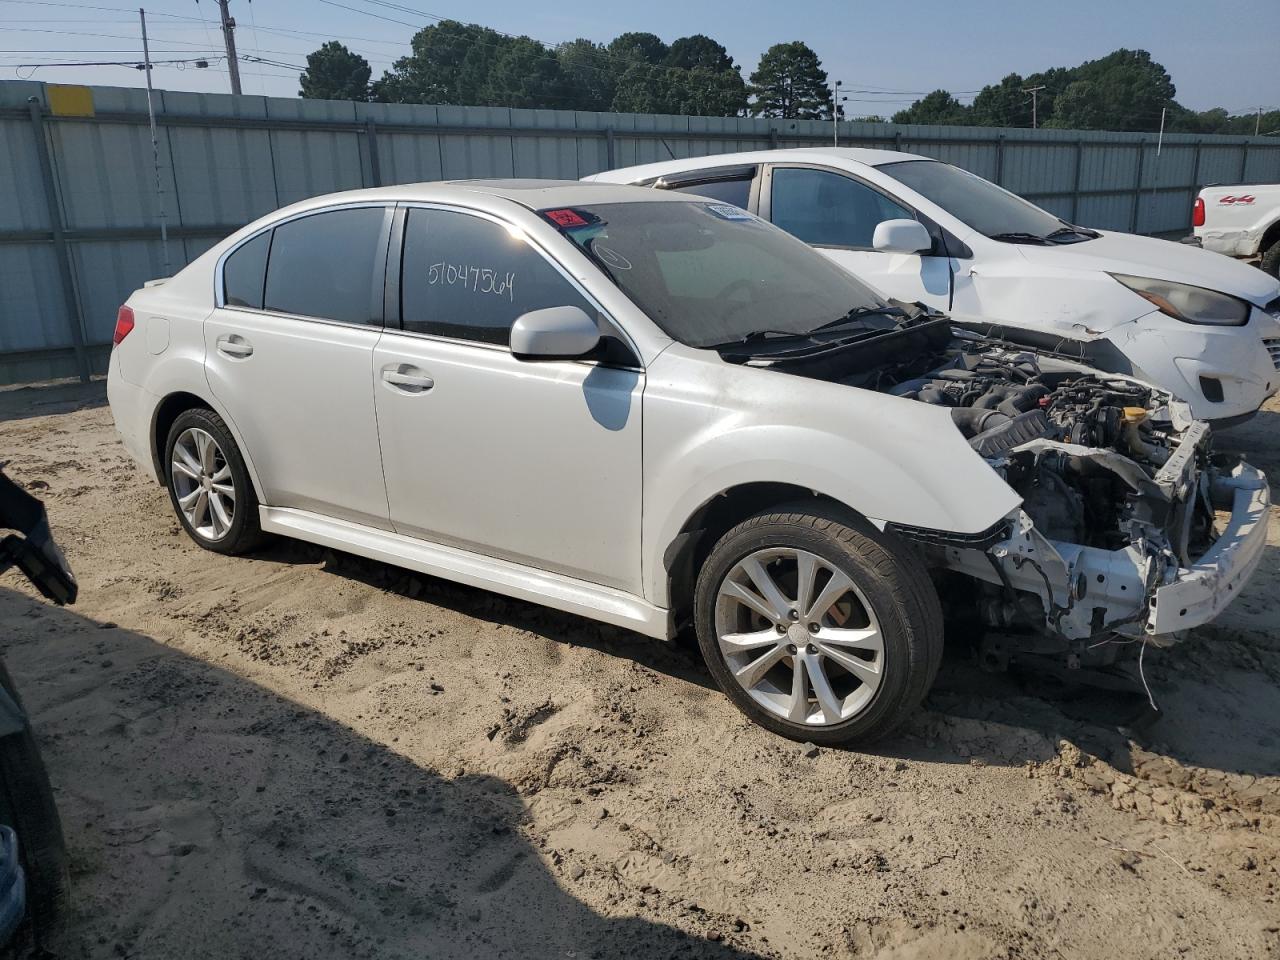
[(1187, 303)]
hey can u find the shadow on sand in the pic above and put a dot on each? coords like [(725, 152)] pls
[(210, 817)]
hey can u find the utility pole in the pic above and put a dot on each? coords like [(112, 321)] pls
[(229, 39), (1257, 126), (1034, 91), (155, 147), (835, 114)]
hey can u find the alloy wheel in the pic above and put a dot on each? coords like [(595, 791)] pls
[(799, 636), (202, 483)]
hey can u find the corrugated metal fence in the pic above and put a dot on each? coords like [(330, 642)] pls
[(79, 218)]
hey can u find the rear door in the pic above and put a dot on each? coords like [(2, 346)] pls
[(289, 355), (838, 213), (535, 462)]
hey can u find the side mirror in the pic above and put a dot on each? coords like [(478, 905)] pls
[(901, 236), (555, 333)]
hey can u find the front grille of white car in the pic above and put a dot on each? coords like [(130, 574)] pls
[(1273, 348)]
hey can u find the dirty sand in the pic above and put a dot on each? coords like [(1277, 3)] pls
[(303, 754)]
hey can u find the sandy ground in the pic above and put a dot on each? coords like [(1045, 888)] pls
[(302, 754)]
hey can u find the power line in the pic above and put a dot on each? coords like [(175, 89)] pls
[(88, 6), (204, 25)]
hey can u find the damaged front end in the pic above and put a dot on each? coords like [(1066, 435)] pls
[(1129, 528)]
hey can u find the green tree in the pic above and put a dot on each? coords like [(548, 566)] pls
[(590, 75), (1081, 106), (699, 51), (525, 74), (1004, 104), (335, 73), (937, 107), (712, 93), (1124, 90), (790, 83), (450, 63), (645, 88), (1215, 120), (637, 46)]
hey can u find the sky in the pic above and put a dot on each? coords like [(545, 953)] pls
[(888, 53)]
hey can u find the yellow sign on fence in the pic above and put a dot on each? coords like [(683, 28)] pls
[(69, 100)]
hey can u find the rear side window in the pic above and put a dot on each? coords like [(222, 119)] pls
[(245, 272), (469, 278), (737, 192), (827, 209), (323, 266)]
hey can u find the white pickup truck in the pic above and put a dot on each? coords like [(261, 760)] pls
[(1240, 220)]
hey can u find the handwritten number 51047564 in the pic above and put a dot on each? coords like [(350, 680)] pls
[(476, 279)]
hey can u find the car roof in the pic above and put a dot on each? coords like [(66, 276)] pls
[(839, 156), (533, 194)]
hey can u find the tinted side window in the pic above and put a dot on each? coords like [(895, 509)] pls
[(469, 278), (323, 265), (827, 209), (245, 271), (737, 192)]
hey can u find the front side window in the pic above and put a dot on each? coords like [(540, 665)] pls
[(827, 209), (469, 278), (323, 266), (991, 210), (710, 274), (245, 272)]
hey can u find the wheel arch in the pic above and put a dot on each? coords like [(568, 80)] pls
[(1269, 236), (683, 556), (170, 407)]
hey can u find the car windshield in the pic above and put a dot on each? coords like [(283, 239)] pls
[(711, 274), (989, 209)]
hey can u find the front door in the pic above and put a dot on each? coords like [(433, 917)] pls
[(535, 462), (289, 355), (838, 214)]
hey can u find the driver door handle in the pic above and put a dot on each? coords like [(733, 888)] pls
[(406, 378)]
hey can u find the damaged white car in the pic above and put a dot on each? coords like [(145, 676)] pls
[(1203, 328), (657, 410)]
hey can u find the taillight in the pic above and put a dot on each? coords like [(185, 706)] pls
[(1197, 213), (124, 324)]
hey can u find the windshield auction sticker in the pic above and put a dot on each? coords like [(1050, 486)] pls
[(727, 211)]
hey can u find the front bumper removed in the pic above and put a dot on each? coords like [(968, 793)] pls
[(1196, 594), (1089, 593)]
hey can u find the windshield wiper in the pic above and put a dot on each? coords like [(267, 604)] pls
[(857, 313), (1018, 236), (1071, 230)]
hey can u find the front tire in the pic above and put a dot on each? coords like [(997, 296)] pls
[(209, 484), (818, 626)]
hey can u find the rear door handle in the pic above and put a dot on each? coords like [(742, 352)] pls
[(406, 378), (234, 346)]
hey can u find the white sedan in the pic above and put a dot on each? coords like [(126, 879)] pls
[(658, 410), (1203, 328)]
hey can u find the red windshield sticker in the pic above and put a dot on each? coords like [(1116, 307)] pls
[(565, 218)]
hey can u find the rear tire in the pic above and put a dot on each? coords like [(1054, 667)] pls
[(850, 667), (1271, 260), (26, 805), (209, 484)]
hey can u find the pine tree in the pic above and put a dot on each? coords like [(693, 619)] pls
[(790, 83), (335, 73)]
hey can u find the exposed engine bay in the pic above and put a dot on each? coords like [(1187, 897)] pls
[(1119, 487)]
